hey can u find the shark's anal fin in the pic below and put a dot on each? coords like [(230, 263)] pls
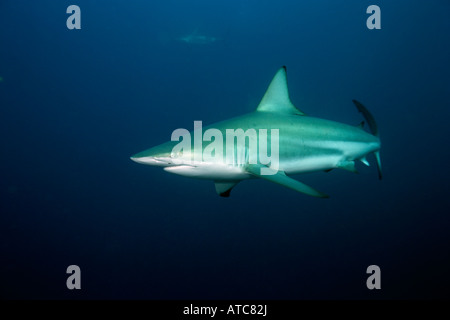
[(223, 188), (348, 165), (281, 178)]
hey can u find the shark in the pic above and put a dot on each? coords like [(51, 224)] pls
[(197, 38), (304, 144)]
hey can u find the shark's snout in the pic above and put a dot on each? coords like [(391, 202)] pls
[(152, 161)]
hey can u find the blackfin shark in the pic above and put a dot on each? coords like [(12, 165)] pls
[(304, 144), (197, 38)]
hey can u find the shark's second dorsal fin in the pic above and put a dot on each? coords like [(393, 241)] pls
[(276, 99)]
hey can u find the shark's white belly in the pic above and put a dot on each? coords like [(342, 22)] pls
[(213, 171), (310, 164)]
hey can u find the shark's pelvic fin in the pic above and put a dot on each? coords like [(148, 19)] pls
[(223, 188), (281, 178), (276, 99)]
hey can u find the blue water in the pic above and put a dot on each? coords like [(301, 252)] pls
[(75, 104)]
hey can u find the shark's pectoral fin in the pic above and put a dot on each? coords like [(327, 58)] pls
[(223, 188), (348, 165), (281, 178)]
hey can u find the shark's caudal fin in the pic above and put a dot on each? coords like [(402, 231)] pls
[(281, 178), (373, 128), (276, 99), (377, 157)]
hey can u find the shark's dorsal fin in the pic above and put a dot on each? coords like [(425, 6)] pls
[(276, 99)]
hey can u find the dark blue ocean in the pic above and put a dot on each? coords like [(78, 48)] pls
[(76, 104)]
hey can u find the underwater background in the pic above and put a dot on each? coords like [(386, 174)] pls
[(76, 104)]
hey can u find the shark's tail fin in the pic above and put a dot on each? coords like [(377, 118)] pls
[(377, 156), (373, 128)]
